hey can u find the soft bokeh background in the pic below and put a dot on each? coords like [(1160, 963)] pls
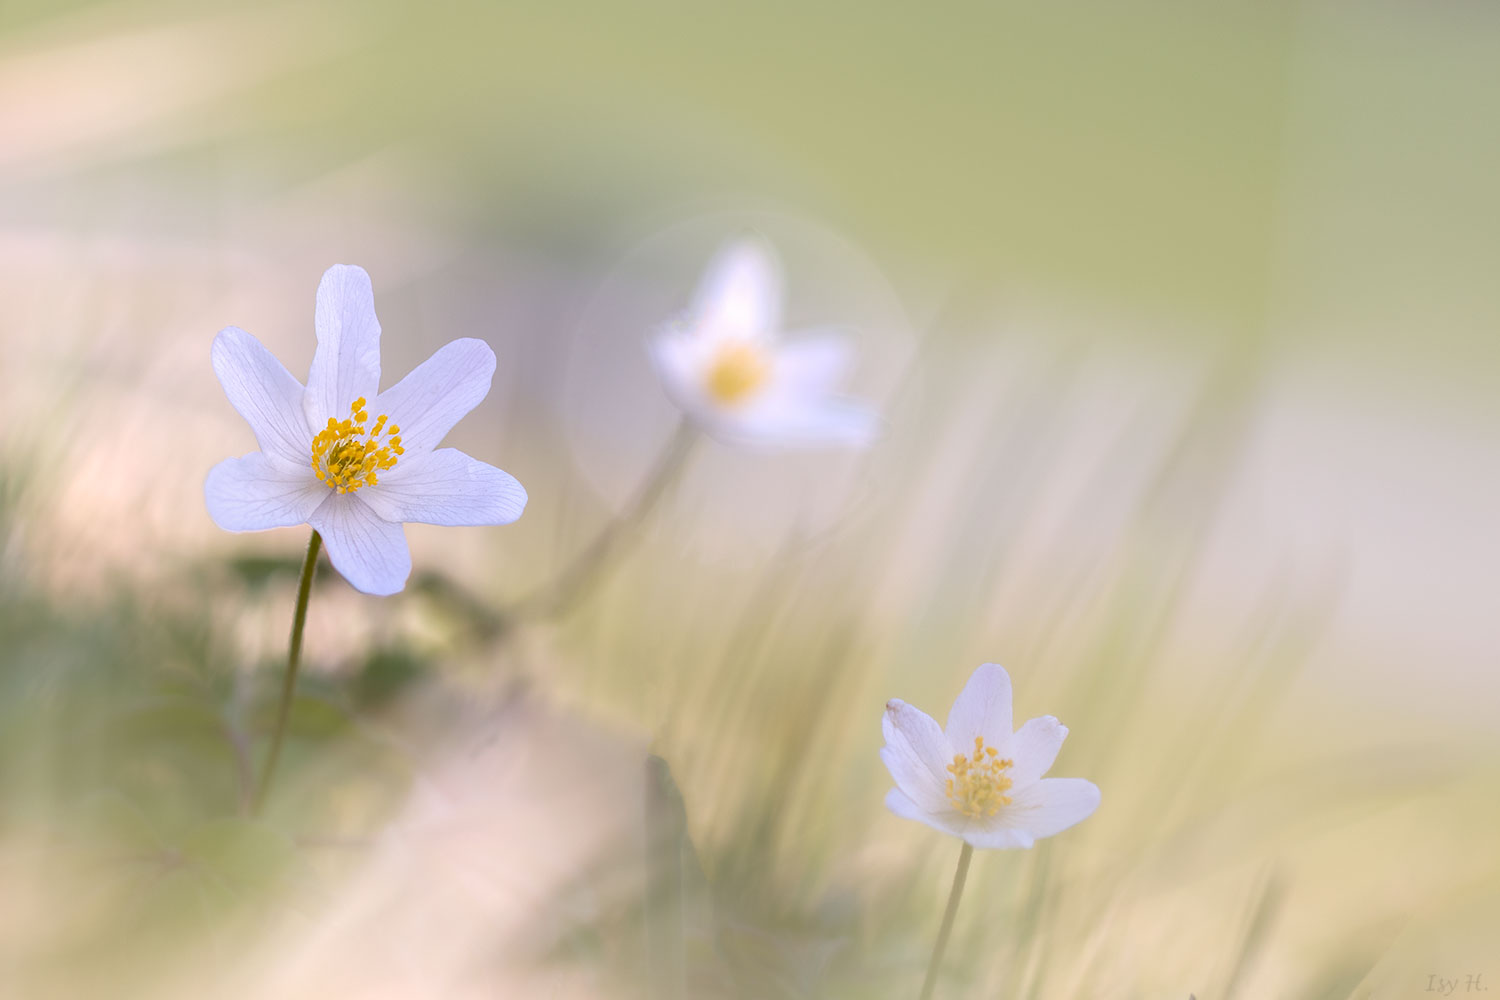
[(1183, 318)]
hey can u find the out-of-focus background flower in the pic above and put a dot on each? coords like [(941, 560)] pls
[(1183, 319)]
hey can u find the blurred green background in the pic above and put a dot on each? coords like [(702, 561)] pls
[(1183, 320)]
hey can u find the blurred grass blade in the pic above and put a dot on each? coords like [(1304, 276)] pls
[(671, 864)]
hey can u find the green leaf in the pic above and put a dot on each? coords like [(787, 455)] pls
[(238, 854), (312, 717), (169, 718), (386, 674)]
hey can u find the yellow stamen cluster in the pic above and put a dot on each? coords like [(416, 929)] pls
[(979, 782), (346, 456), (737, 370)]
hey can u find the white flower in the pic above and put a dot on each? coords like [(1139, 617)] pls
[(728, 370), (978, 780), (324, 462)]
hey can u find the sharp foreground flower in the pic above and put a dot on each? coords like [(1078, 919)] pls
[(726, 367), (326, 462), (978, 780)]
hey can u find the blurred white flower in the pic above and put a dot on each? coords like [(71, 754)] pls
[(323, 462), (727, 368), (978, 780)]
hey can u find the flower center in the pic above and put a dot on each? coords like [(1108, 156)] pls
[(738, 369), (979, 782), (346, 456)]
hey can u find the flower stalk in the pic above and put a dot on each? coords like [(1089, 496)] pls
[(289, 680), (959, 877), (588, 567)]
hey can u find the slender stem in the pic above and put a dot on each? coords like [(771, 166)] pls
[(587, 568), (942, 940), (289, 681)]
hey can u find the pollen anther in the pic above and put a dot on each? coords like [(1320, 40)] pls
[(738, 369), (979, 781), (346, 456)]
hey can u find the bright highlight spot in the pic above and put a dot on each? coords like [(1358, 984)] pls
[(979, 782), (346, 456), (737, 370)]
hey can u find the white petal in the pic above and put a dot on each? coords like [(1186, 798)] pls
[(254, 492), (792, 411), (916, 754), (1051, 805), (981, 709), (446, 487), (813, 366), (1033, 748), (438, 392), (368, 550), (979, 832), (676, 359), (902, 805), (999, 837), (263, 392), (778, 423), (740, 294), (346, 364)]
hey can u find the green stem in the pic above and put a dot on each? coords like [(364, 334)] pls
[(587, 568), (942, 941), (289, 681)]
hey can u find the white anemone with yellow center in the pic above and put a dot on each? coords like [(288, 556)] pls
[(350, 460), (977, 779), (726, 365)]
